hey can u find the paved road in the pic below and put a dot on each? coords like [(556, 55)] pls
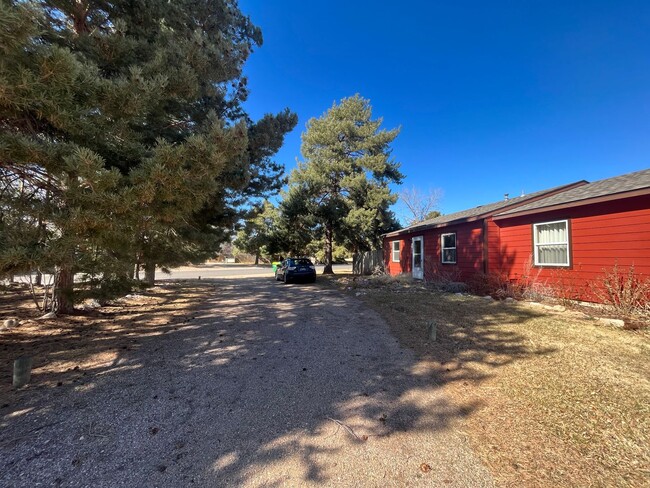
[(208, 270), (232, 271), (265, 384)]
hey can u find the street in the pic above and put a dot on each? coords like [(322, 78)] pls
[(220, 270)]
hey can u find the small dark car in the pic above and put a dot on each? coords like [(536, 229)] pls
[(294, 269)]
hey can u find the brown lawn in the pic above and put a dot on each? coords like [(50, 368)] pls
[(565, 402)]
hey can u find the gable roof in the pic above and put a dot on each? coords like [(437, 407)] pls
[(483, 211), (622, 186)]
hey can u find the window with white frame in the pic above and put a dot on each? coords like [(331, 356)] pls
[(551, 243), (395, 251), (448, 248)]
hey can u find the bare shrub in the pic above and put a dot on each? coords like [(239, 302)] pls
[(528, 286), (381, 280), (404, 278), (378, 270), (439, 275), (529, 275), (496, 285), (567, 287), (626, 293)]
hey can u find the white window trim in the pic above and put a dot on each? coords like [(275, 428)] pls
[(442, 248), (393, 251), (568, 245)]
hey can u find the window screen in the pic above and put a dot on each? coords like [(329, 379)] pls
[(395, 251), (448, 246), (551, 241)]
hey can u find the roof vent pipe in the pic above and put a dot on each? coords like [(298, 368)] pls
[(506, 196)]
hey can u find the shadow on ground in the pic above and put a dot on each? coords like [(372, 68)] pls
[(228, 383)]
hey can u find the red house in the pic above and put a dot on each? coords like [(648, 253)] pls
[(565, 236)]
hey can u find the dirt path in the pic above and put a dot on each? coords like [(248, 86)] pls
[(262, 384)]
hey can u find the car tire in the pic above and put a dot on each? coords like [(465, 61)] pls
[(286, 280)]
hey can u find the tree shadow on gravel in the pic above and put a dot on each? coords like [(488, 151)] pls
[(223, 383)]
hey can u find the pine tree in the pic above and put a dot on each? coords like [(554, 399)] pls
[(122, 134), (247, 181), (258, 234), (343, 183), (51, 182)]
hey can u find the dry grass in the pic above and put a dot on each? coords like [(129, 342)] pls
[(91, 342), (565, 402)]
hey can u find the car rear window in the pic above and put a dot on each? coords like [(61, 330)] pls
[(302, 262)]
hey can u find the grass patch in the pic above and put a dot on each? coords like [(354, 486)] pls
[(565, 402)]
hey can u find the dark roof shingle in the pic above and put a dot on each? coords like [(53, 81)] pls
[(610, 186)]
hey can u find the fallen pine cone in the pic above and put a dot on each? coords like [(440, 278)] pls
[(425, 468)]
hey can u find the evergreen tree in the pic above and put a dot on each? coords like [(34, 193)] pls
[(341, 188), (257, 235), (122, 134), (51, 183)]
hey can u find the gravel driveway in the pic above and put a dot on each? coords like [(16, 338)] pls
[(268, 385)]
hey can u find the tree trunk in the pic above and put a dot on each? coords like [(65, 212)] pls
[(38, 280), (328, 249), (150, 273), (257, 258), (62, 301)]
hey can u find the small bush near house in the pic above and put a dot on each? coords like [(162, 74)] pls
[(528, 286), (440, 276), (626, 293), (378, 270), (379, 280), (495, 285)]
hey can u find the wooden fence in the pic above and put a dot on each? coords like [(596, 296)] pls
[(366, 263)]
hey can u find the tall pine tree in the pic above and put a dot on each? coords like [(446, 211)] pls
[(122, 133), (343, 183)]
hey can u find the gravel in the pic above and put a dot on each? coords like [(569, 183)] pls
[(268, 385)]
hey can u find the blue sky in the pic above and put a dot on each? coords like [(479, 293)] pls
[(491, 97)]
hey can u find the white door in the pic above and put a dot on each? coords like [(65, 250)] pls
[(418, 257)]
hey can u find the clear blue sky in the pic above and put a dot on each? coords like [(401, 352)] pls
[(492, 97)]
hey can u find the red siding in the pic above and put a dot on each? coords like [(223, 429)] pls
[(404, 265), (494, 256), (601, 235), (469, 251)]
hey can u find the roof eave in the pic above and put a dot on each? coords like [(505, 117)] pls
[(408, 230), (576, 203)]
